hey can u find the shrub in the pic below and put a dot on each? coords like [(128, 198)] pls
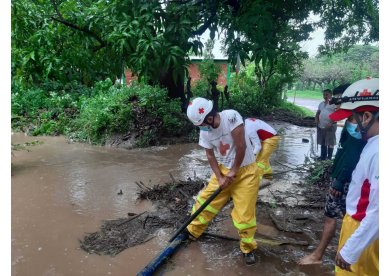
[(138, 108), (108, 111), (48, 109)]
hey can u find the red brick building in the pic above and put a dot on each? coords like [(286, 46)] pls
[(194, 72), (223, 78)]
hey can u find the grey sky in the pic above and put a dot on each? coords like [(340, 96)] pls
[(310, 46)]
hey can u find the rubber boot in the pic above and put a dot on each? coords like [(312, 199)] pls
[(329, 153), (249, 258), (323, 154), (188, 235)]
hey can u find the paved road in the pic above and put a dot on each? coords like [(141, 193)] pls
[(311, 104)]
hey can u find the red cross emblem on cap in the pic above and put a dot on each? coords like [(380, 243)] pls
[(365, 92), (201, 110), (253, 119)]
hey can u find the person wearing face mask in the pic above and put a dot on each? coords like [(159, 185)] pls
[(359, 236), (235, 171), (346, 158)]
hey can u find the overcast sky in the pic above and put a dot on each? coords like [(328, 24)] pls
[(309, 46)]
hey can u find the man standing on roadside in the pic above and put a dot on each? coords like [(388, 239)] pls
[(326, 128), (236, 173)]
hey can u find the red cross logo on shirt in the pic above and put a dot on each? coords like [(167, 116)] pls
[(223, 148), (253, 119), (365, 92), (201, 110)]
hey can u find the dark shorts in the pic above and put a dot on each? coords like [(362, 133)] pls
[(336, 206), (326, 137)]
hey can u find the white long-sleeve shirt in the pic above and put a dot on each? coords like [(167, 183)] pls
[(362, 202), (258, 131)]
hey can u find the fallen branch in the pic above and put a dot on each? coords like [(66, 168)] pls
[(171, 176), (263, 186), (142, 186), (134, 217), (283, 227), (260, 240)]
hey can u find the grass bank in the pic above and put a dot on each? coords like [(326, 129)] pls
[(305, 94), (298, 110)]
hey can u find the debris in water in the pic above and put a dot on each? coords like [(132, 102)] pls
[(117, 235)]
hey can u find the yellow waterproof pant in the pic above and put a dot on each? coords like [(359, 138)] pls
[(367, 264), (268, 146), (243, 191)]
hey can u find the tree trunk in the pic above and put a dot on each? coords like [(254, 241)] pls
[(175, 89), (215, 95)]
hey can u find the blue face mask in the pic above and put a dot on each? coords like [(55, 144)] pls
[(204, 128), (352, 130)]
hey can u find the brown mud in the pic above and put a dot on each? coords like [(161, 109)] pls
[(63, 191), (173, 202), (289, 117)]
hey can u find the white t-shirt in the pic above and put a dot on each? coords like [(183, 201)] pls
[(362, 202), (221, 141), (325, 111), (257, 131)]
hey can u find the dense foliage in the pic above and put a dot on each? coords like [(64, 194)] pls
[(94, 114), (88, 41), (328, 71), (67, 54)]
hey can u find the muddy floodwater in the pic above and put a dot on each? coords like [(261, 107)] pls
[(62, 190)]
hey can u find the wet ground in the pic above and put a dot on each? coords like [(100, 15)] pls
[(61, 191)]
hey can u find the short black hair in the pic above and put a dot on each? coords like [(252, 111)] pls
[(327, 91), (340, 89)]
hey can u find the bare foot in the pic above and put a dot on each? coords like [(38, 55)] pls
[(311, 259)]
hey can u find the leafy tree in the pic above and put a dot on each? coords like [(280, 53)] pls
[(348, 22), (91, 40), (358, 62), (209, 70), (46, 46)]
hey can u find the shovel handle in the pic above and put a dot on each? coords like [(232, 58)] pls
[(195, 214)]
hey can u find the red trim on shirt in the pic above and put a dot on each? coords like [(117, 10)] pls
[(363, 201), (263, 134)]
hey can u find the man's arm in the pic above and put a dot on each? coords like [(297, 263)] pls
[(223, 180), (254, 139), (240, 144), (213, 163), (317, 117), (368, 230), (349, 158)]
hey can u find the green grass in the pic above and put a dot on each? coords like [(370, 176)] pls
[(299, 110), (305, 94), (307, 112)]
